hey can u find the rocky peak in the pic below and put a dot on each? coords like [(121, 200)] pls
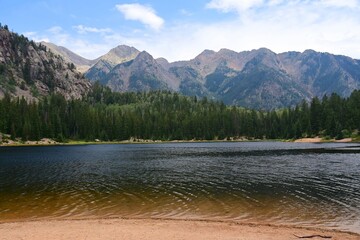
[(309, 52), (142, 73), (144, 58), (265, 51), (227, 52), (145, 54), (163, 62), (265, 57), (120, 54), (205, 54)]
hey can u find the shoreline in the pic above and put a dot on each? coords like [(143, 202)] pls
[(158, 228), (50, 142)]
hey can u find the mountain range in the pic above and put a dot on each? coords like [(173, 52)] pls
[(259, 79)]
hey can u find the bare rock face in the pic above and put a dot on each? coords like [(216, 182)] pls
[(31, 70), (143, 73), (120, 54), (104, 64)]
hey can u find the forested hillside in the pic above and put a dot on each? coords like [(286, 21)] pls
[(165, 115)]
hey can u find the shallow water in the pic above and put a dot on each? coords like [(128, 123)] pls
[(269, 182)]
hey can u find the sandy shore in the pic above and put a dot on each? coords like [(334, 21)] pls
[(309, 140), (137, 229), (50, 142), (318, 140)]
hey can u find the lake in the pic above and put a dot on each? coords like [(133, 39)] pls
[(268, 182)]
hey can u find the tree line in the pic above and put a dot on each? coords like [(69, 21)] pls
[(165, 115)]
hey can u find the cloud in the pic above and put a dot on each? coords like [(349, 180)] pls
[(293, 25), (230, 5), (35, 37), (185, 12), (242, 6), (85, 47), (83, 29), (340, 3), (58, 35), (142, 13), (55, 30)]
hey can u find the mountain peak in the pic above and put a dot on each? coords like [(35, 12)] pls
[(309, 51), (226, 51), (206, 53), (123, 50), (120, 54), (163, 62), (265, 51), (144, 54)]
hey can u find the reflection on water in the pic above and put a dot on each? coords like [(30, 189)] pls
[(291, 183)]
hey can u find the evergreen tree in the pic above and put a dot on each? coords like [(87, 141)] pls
[(169, 116)]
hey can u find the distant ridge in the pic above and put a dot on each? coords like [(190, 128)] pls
[(258, 78), (69, 55)]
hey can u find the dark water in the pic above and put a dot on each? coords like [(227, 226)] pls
[(291, 183)]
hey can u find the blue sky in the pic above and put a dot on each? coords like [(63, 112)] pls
[(181, 29)]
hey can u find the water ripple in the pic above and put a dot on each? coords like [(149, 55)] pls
[(301, 184)]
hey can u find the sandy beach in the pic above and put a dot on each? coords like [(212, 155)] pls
[(309, 140), (319, 140), (151, 229)]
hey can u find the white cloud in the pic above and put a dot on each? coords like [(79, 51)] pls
[(242, 6), (84, 47), (83, 29), (57, 35), (230, 5), (35, 37), (55, 30), (340, 3), (294, 25), (142, 13), (278, 25), (185, 12)]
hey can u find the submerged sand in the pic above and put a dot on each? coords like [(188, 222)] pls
[(156, 229)]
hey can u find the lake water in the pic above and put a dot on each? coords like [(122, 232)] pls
[(268, 182)]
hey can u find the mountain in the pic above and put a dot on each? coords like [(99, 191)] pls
[(324, 73), (82, 64), (258, 79), (120, 54), (143, 73), (104, 64), (32, 70), (254, 79)]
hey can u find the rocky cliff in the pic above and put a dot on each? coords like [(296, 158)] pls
[(31, 70)]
